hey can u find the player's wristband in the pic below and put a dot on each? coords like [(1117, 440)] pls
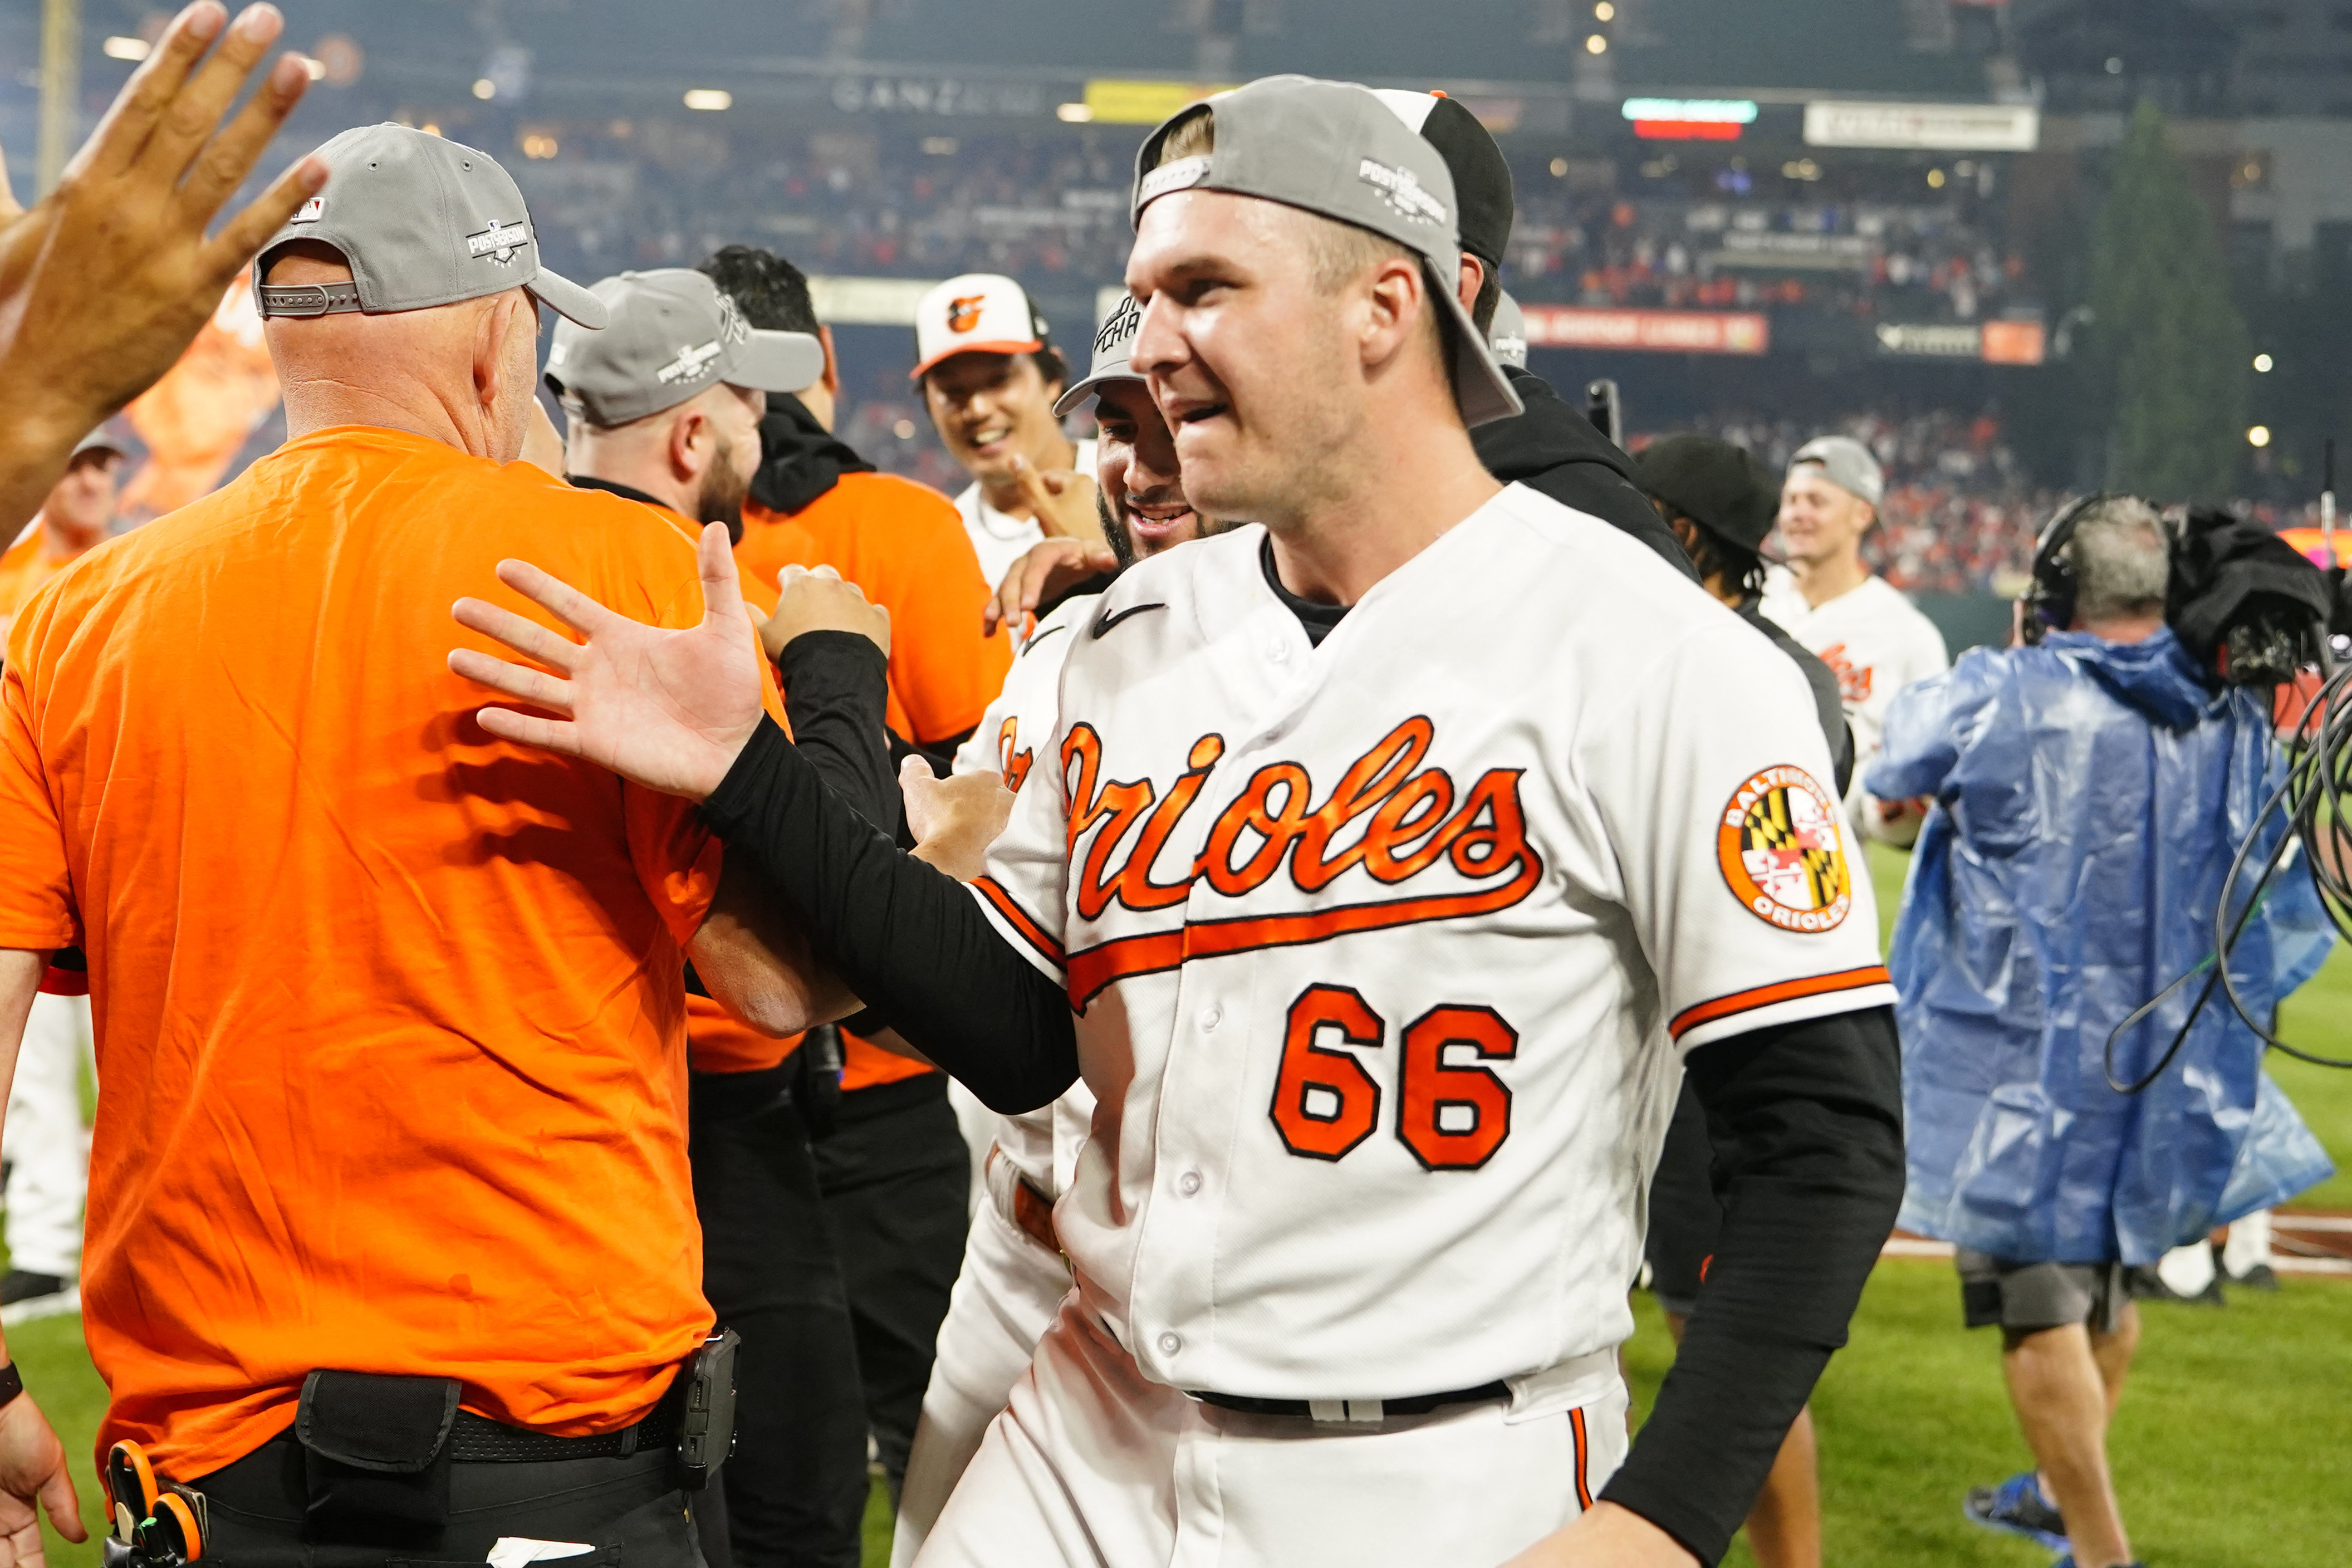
[(12, 1384)]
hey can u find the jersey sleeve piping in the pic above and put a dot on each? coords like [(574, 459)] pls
[(1701, 1018), (1032, 941)]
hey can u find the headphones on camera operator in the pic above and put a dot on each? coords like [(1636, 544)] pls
[(2249, 610)]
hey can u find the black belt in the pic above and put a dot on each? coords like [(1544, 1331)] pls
[(478, 1440), (1355, 1409)]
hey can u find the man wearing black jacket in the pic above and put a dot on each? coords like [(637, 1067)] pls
[(1552, 447)]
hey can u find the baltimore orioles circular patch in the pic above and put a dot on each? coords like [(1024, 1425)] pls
[(1783, 851)]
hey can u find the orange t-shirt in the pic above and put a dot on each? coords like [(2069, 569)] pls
[(716, 1039), (23, 567), (905, 546), (390, 1014)]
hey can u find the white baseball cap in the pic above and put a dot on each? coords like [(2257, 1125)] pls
[(978, 312)]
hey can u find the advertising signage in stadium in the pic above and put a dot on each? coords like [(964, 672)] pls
[(1654, 332), (1991, 343), (1689, 118), (1110, 101), (1939, 127)]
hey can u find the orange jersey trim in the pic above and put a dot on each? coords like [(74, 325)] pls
[(1019, 918), (1690, 1018), (1097, 968), (1584, 1461)]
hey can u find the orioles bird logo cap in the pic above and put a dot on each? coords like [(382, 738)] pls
[(980, 312)]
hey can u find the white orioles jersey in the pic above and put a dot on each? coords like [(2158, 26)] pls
[(1872, 638), (1385, 951), (1043, 1146)]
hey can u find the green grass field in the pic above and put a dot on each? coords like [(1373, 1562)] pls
[(2228, 1452)]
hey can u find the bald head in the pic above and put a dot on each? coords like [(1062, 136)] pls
[(461, 374)]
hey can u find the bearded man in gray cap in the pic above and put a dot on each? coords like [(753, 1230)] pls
[(393, 1249), (1858, 623), (1384, 845), (666, 400)]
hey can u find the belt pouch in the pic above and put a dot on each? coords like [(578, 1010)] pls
[(375, 1454)]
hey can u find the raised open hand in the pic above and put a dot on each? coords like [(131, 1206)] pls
[(667, 710), (106, 280)]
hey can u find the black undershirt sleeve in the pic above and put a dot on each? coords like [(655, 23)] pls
[(837, 695), (909, 939), (1807, 1124)]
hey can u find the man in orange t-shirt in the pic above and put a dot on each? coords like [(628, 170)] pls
[(390, 1016), (77, 516), (894, 1168), (677, 430)]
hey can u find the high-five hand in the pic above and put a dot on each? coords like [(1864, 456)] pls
[(668, 710)]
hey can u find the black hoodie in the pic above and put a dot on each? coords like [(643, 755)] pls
[(1555, 449), (799, 459)]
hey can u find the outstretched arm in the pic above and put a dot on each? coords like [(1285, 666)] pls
[(679, 711), (107, 279)]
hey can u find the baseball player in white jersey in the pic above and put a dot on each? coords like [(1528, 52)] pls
[(990, 377), (1396, 856), (1013, 1276), (1853, 620)]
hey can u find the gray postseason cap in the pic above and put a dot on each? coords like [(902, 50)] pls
[(1334, 149), (1507, 338), (423, 222), (672, 334), (1114, 341), (1845, 463)]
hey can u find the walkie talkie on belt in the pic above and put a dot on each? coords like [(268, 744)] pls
[(157, 1524), (706, 1426)]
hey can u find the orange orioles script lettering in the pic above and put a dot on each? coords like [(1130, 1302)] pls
[(1388, 814), (1012, 763)]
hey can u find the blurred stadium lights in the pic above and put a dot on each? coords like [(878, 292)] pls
[(121, 48), (710, 100), (1073, 113)]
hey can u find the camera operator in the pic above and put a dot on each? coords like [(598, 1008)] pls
[(2090, 790)]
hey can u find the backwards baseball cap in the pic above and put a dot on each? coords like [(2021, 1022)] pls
[(978, 312), (1845, 463), (1333, 148), (1507, 338), (1114, 342), (1482, 175), (672, 334), (1714, 483), (98, 440), (423, 222)]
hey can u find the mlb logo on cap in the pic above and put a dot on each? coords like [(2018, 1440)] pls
[(980, 312)]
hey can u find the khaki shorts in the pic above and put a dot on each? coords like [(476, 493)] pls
[(2025, 1297)]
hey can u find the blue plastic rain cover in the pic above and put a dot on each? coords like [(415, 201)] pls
[(2089, 797)]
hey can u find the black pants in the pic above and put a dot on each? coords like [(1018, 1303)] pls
[(629, 1510), (795, 1493), (896, 1177)]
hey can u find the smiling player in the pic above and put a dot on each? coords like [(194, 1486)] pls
[(1396, 856)]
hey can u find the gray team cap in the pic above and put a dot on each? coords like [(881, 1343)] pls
[(1334, 149), (672, 334), (1845, 463), (1508, 336), (423, 222), (1114, 342)]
